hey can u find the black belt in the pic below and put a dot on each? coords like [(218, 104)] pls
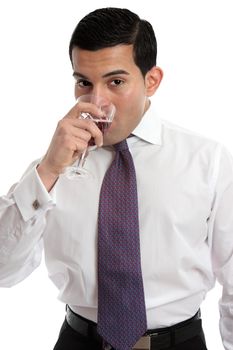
[(153, 339)]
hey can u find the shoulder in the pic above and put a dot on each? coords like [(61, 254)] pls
[(187, 138)]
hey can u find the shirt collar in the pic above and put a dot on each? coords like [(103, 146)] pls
[(149, 128)]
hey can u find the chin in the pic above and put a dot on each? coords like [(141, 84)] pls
[(113, 139), (110, 139)]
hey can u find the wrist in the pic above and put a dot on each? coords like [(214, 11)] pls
[(47, 175)]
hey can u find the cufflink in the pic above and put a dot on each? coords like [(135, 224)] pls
[(36, 204)]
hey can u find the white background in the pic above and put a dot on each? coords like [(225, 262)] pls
[(36, 90)]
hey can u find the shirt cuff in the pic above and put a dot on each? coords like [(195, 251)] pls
[(31, 196)]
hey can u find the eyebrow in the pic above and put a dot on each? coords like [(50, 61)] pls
[(109, 74)]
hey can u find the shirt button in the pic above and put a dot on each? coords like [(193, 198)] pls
[(36, 204)]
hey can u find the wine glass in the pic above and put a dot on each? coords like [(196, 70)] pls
[(78, 170)]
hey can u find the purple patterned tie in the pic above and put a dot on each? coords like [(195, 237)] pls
[(121, 303)]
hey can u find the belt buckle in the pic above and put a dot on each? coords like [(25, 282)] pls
[(143, 343)]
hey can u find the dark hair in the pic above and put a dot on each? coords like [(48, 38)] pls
[(110, 26)]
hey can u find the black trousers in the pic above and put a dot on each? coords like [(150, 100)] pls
[(72, 340)]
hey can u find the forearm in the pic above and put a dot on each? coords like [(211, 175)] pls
[(226, 319), (221, 242), (21, 226)]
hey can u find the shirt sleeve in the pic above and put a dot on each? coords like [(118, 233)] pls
[(23, 215), (222, 241)]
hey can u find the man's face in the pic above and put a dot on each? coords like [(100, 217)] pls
[(113, 74)]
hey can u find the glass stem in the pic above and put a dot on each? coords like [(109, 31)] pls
[(82, 159)]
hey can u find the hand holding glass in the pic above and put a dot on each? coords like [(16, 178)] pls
[(103, 123)]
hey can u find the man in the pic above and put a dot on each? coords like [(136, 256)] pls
[(184, 190)]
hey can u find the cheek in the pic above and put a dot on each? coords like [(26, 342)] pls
[(134, 103), (132, 98), (129, 113), (76, 94), (130, 104)]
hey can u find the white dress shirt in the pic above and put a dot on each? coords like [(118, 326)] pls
[(185, 192)]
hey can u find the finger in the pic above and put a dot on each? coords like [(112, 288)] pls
[(75, 127), (79, 146), (87, 129), (80, 132)]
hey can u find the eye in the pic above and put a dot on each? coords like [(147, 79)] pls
[(117, 82), (83, 83)]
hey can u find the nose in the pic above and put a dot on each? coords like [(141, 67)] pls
[(100, 92), (100, 98)]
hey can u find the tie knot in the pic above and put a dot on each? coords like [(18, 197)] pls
[(121, 146)]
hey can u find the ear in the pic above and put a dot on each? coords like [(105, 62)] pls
[(152, 80)]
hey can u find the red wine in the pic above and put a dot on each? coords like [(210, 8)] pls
[(103, 125)]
